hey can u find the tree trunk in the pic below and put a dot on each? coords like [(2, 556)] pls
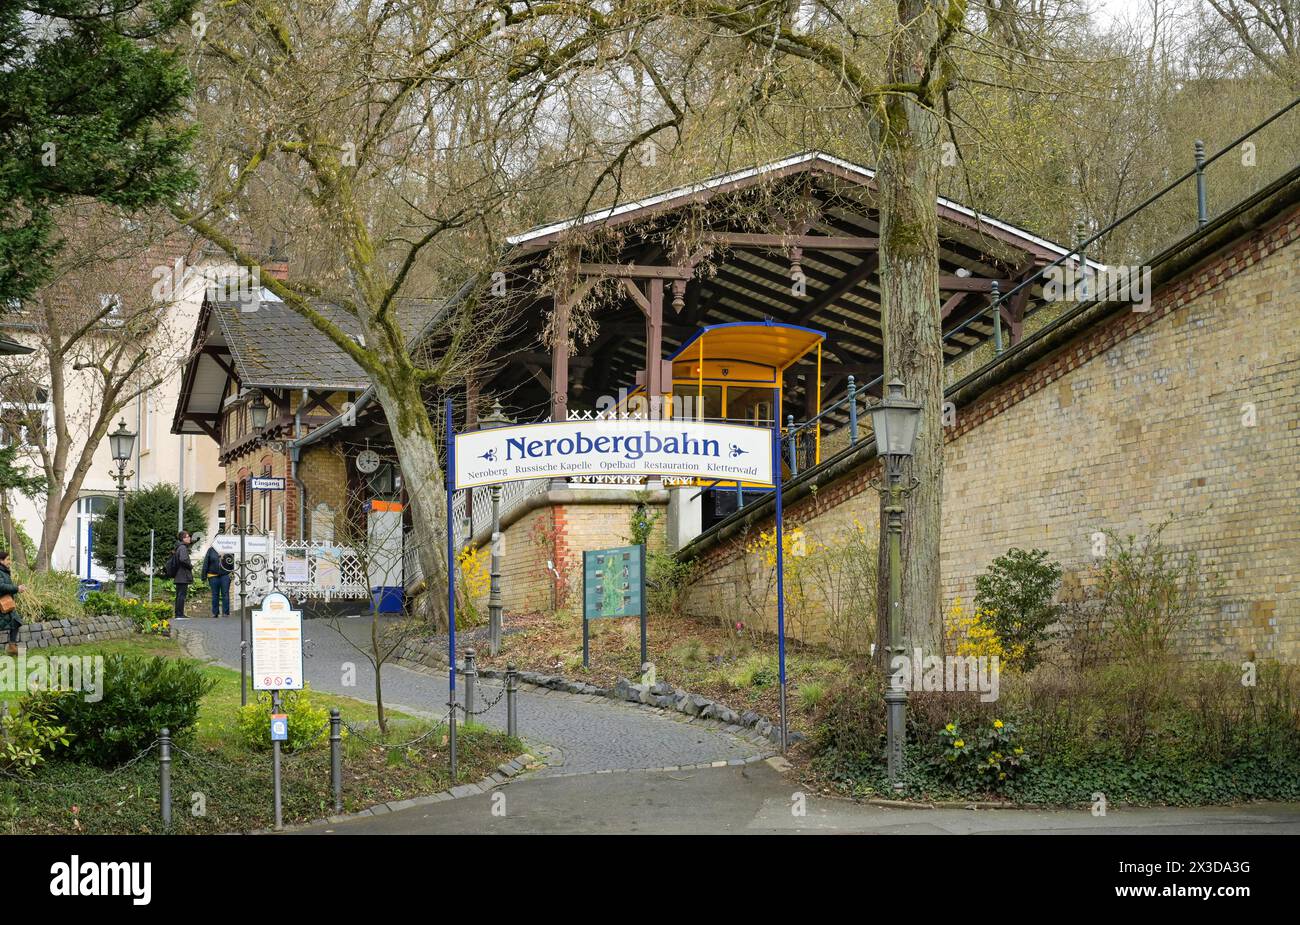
[(422, 477), (378, 661), (12, 539), (909, 245)]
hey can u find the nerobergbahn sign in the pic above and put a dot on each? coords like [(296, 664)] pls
[(686, 449)]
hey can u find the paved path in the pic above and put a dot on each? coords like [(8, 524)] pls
[(588, 733), (755, 800)]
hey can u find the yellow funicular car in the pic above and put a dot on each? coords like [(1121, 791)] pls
[(734, 373)]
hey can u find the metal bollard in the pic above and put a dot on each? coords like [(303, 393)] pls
[(789, 430), (471, 675), (336, 758), (165, 775), (512, 688), (1202, 203), (853, 411)]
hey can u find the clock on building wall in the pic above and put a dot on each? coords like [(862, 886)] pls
[(367, 461)]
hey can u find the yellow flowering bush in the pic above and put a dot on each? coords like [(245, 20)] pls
[(986, 759), (475, 579), (972, 633)]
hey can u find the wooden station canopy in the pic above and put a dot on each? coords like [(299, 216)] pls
[(727, 250)]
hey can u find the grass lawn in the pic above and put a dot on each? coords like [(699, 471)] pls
[(701, 656), (218, 785)]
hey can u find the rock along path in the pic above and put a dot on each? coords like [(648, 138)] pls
[(586, 733)]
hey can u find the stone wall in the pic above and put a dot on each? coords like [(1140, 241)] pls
[(87, 629), (1190, 410)]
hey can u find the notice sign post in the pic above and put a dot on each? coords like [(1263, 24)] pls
[(277, 666), (613, 585)]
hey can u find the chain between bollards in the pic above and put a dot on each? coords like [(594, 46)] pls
[(336, 758), (165, 775), (512, 688)]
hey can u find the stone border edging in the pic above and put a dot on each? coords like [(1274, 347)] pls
[(664, 698), (74, 631), (505, 772)]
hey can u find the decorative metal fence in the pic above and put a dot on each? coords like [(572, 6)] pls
[(303, 571)]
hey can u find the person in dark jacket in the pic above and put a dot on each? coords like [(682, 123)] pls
[(184, 571), (9, 621), (218, 576)]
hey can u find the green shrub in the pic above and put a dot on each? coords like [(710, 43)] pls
[(141, 696), (148, 618), (665, 580), (810, 694), (1149, 593), (752, 671), (980, 759), (309, 726), (30, 734), (49, 596), (1016, 592), (1166, 733), (849, 731), (149, 508)]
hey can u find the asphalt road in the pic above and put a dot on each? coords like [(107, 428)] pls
[(756, 799)]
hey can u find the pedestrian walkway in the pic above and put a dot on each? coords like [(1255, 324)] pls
[(588, 734)]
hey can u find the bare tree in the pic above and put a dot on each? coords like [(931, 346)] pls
[(384, 146), (102, 340), (1266, 31)]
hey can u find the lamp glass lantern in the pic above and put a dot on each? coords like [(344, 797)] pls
[(497, 418), (896, 421), (258, 412), (121, 442)]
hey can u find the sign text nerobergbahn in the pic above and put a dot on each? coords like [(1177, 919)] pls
[(686, 449)]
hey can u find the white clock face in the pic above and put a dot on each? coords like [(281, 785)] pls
[(367, 461)]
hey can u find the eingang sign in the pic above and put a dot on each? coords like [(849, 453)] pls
[(682, 449)]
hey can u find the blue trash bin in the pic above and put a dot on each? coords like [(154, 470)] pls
[(85, 586), (387, 599)]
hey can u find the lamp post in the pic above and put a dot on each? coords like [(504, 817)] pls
[(120, 444), (494, 420), (895, 421), (257, 413)]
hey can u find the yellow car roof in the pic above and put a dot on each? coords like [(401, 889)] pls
[(769, 343)]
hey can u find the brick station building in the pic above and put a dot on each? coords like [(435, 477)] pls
[(246, 354)]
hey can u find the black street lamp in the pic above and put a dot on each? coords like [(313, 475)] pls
[(895, 421), (257, 412), (120, 444), (492, 421)]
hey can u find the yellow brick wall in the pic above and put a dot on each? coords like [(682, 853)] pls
[(560, 533), (1140, 419)]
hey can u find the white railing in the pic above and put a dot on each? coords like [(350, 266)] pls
[(306, 571)]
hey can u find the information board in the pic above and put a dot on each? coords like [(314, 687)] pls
[(612, 582), (277, 645)]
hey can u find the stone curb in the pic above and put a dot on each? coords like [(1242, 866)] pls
[(960, 804), (501, 776)]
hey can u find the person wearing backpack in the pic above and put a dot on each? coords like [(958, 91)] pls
[(179, 570), (218, 577), (9, 592)]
